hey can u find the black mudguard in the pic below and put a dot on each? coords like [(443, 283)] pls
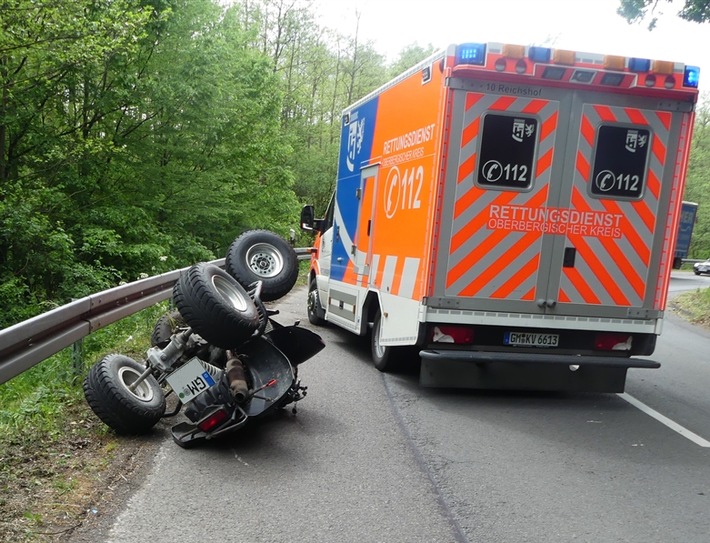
[(298, 344)]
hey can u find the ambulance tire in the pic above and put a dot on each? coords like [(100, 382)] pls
[(215, 305), (315, 310), (387, 359), (262, 255)]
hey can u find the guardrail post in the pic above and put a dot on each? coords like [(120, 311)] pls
[(77, 357)]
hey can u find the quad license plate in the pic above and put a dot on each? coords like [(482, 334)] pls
[(190, 381), (531, 339)]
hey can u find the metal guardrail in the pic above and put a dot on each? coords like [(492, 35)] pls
[(27, 343)]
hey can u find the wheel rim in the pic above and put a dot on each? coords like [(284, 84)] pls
[(379, 349), (128, 376), (264, 260), (313, 302), (227, 291)]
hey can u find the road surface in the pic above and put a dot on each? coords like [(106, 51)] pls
[(376, 458)]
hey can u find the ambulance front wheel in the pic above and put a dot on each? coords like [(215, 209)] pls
[(387, 359), (316, 314)]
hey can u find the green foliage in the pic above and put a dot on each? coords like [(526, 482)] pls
[(411, 55), (694, 306), (698, 183), (40, 399), (635, 11), (139, 136)]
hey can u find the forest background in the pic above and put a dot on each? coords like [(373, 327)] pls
[(137, 137), (140, 136)]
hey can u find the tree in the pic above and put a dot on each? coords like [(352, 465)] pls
[(136, 136), (698, 183), (54, 91), (410, 56), (639, 10)]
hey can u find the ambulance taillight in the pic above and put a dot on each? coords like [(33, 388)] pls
[(612, 341), (451, 333)]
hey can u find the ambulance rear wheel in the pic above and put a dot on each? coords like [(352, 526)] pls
[(387, 359)]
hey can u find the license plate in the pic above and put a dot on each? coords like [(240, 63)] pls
[(190, 381), (531, 339)]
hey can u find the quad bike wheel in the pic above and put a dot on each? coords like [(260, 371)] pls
[(165, 327), (107, 391), (215, 305), (261, 255), (171, 322)]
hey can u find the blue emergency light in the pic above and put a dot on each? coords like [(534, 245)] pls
[(471, 53), (539, 54), (639, 65), (691, 77)]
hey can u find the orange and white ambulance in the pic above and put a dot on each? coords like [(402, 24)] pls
[(506, 216)]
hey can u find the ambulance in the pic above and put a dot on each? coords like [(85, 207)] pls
[(505, 216)]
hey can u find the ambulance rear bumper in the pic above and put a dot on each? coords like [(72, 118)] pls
[(527, 371), (489, 357)]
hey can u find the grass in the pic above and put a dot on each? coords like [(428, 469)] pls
[(694, 306), (40, 396), (54, 453)]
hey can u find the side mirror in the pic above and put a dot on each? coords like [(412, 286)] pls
[(308, 218)]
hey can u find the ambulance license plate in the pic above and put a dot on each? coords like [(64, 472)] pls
[(190, 381), (531, 339)]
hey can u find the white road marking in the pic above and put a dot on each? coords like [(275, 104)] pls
[(239, 458), (695, 438)]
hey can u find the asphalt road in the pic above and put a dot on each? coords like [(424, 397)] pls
[(376, 458)]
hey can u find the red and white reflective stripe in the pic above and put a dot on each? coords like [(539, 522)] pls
[(614, 270), (392, 274), (474, 268)]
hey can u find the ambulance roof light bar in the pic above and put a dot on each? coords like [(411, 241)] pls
[(640, 65), (585, 68)]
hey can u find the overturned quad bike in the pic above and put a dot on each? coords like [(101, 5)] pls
[(220, 352)]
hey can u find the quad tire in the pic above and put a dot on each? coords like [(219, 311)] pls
[(165, 327), (171, 322), (261, 255), (215, 305), (107, 392)]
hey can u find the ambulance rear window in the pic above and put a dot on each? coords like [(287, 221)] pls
[(507, 151), (620, 162)]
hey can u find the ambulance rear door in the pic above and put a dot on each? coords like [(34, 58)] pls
[(622, 157), (555, 199)]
